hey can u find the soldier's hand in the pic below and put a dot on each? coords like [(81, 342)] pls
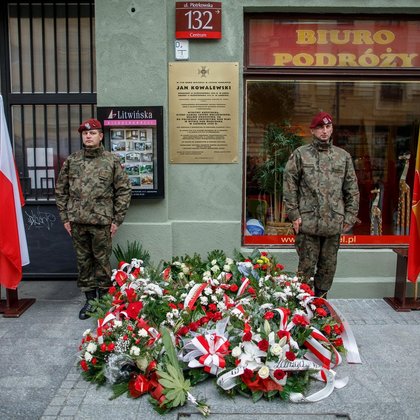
[(67, 226), (296, 225), (347, 227), (114, 229)]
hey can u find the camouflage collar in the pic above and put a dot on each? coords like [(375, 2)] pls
[(93, 153), (321, 145)]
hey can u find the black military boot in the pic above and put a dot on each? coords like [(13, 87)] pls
[(87, 307), (321, 293)]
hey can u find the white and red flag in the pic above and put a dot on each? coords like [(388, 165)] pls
[(13, 246), (413, 266)]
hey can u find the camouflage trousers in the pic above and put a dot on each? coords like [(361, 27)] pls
[(317, 258), (93, 246)]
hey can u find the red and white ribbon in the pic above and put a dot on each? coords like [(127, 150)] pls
[(194, 294)]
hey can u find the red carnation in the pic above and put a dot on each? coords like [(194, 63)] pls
[(247, 336), (233, 288), (321, 312), (279, 374), (280, 266), (327, 329), (338, 342), (269, 315), (84, 365), (263, 345), (300, 320), (111, 347), (290, 356)]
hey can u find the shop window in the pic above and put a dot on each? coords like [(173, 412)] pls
[(381, 138)]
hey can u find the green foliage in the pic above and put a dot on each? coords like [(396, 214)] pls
[(132, 250), (279, 142)]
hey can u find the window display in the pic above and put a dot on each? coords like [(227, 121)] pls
[(381, 139), (135, 136)]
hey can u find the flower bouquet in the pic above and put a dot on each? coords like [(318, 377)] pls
[(258, 330)]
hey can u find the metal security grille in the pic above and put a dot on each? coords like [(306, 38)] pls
[(49, 86)]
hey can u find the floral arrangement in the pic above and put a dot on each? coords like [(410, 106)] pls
[(258, 330)]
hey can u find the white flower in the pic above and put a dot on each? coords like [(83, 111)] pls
[(215, 268), (181, 275), (213, 262), (135, 351), (221, 306), (175, 312), (177, 264), (229, 261), (276, 350), (207, 274), (91, 347), (226, 268), (143, 333), (264, 372), (183, 296), (214, 298), (208, 291), (220, 291), (236, 351), (169, 315), (185, 270), (88, 357), (87, 332), (204, 300)]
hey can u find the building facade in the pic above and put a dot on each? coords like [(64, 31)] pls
[(283, 61)]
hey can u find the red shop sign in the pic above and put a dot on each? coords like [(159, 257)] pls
[(198, 20), (334, 43)]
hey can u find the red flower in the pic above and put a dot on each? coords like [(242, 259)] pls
[(256, 266), (111, 347), (280, 266), (251, 290), (283, 333), (248, 374), (94, 361), (264, 266), (247, 336), (327, 329), (233, 288), (269, 315), (103, 347), (84, 365), (213, 307), (338, 329), (112, 290), (172, 305), (263, 345), (290, 356), (279, 374), (318, 302), (194, 326), (300, 320), (321, 312), (264, 253), (338, 342)]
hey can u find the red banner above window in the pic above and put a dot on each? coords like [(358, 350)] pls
[(332, 43)]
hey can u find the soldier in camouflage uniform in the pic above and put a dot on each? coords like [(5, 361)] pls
[(322, 200), (93, 193)]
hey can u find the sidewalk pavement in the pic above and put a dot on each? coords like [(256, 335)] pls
[(39, 378)]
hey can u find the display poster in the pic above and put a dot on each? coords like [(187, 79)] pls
[(135, 135), (203, 112)]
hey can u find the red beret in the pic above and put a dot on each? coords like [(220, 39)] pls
[(322, 118), (90, 124)]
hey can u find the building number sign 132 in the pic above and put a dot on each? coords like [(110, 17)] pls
[(198, 20)]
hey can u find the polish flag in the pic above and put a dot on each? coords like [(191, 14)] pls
[(13, 247)]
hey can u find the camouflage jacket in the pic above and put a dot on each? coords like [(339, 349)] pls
[(320, 187), (93, 188)]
